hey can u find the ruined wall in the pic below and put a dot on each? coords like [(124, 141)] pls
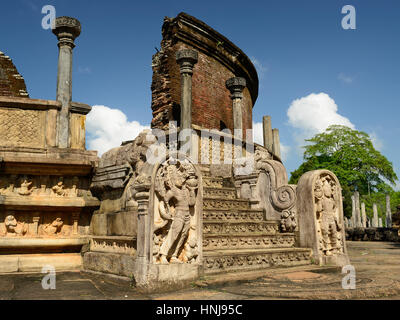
[(12, 84), (219, 60)]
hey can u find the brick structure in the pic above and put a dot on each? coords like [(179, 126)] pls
[(218, 60), (12, 84)]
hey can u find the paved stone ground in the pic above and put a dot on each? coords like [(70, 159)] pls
[(377, 266)]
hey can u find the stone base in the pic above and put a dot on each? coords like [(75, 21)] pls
[(35, 262), (113, 263), (336, 260), (147, 277)]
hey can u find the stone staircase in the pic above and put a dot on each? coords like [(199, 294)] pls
[(238, 238)]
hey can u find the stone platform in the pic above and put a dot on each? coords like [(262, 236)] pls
[(376, 264)]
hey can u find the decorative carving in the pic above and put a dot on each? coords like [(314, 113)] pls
[(53, 228), (26, 188), (288, 221), (15, 228), (59, 189), (175, 232), (21, 128), (327, 215), (233, 216), (213, 242), (263, 260)]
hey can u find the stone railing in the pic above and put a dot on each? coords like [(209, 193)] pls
[(33, 123)]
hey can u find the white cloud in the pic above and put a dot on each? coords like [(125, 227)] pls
[(261, 69), (258, 137), (345, 78), (314, 114), (107, 128), (378, 143), (84, 70)]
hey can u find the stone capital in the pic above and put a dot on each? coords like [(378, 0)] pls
[(236, 85), (187, 58), (67, 29)]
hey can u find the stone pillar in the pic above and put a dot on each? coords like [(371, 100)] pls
[(267, 133), (276, 147), (375, 218), (388, 213), (363, 215), (75, 219), (235, 86), (186, 59), (36, 225), (353, 211), (67, 30), (357, 209)]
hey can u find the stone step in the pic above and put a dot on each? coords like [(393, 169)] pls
[(227, 204), (218, 193), (239, 215), (221, 261), (246, 227), (226, 241), (213, 182)]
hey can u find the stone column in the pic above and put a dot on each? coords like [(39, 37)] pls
[(353, 211), (67, 30), (36, 225), (75, 219), (186, 59), (363, 215), (375, 218), (267, 133), (357, 209), (235, 86), (388, 213), (276, 147)]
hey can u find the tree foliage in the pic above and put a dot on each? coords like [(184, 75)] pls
[(351, 156)]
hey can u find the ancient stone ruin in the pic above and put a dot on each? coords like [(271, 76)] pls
[(191, 197)]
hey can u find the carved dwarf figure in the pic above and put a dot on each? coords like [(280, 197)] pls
[(15, 228), (181, 184), (326, 209), (54, 227), (59, 190), (25, 189)]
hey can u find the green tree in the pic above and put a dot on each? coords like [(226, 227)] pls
[(351, 156)]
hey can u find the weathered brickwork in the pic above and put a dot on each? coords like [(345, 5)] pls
[(12, 84), (212, 105)]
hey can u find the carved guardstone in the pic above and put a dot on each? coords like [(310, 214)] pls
[(320, 215)]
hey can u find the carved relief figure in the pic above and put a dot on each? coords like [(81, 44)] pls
[(54, 227), (326, 204), (176, 189), (59, 189), (25, 189), (15, 228)]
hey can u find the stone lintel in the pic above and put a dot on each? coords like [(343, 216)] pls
[(25, 103), (81, 108)]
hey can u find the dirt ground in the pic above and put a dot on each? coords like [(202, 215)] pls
[(376, 265)]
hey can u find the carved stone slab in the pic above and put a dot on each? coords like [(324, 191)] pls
[(321, 222)]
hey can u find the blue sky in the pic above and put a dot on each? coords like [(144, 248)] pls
[(298, 47)]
